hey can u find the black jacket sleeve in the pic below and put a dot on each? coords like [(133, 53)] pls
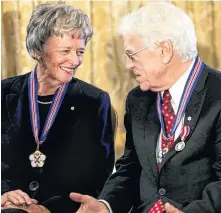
[(122, 187), (211, 196)]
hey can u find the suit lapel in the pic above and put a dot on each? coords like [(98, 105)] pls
[(146, 127), (192, 111), (152, 132), (139, 119), (72, 105)]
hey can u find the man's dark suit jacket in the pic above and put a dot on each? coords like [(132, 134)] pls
[(79, 146), (189, 179)]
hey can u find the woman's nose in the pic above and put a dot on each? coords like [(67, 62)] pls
[(74, 59)]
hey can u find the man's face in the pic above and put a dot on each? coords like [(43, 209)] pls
[(146, 65)]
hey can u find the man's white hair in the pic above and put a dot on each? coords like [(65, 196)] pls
[(160, 21)]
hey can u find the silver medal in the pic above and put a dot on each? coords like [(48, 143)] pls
[(180, 146)]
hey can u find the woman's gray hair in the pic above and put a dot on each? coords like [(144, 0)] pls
[(55, 19), (160, 21)]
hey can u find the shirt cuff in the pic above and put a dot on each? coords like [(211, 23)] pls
[(107, 204)]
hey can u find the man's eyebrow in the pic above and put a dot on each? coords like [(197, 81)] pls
[(128, 51)]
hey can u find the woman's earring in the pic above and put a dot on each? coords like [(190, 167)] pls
[(36, 56)]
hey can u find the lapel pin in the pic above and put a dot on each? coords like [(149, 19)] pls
[(189, 118), (180, 146), (165, 150), (72, 108)]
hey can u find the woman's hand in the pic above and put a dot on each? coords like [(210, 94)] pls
[(18, 198), (33, 208)]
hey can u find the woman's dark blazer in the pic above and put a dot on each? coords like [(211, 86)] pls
[(79, 146)]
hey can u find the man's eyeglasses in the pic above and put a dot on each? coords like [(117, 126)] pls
[(130, 55)]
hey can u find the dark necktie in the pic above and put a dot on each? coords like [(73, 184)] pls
[(169, 117)]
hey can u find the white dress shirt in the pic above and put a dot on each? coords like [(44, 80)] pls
[(176, 92)]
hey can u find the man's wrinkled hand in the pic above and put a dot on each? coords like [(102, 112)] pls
[(89, 204), (171, 209)]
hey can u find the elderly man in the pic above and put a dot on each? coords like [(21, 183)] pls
[(172, 158)]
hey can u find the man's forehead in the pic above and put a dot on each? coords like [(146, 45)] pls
[(132, 41)]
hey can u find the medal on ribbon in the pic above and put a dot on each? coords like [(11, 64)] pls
[(38, 158), (184, 134), (187, 92)]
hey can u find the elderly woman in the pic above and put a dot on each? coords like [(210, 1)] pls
[(56, 130)]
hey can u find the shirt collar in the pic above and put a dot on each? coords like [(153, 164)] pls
[(176, 90)]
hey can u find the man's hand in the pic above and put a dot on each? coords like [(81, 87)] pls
[(17, 197), (89, 204), (171, 209)]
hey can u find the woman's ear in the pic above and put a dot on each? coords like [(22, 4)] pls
[(35, 55)]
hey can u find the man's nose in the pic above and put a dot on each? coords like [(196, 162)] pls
[(129, 64)]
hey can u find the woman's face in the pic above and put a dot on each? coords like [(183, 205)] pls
[(61, 57)]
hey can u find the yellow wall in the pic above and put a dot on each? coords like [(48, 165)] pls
[(104, 59)]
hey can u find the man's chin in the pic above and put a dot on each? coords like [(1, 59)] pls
[(145, 86)]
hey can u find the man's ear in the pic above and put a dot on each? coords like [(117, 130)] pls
[(166, 51)]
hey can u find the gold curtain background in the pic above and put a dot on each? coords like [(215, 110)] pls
[(104, 60)]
